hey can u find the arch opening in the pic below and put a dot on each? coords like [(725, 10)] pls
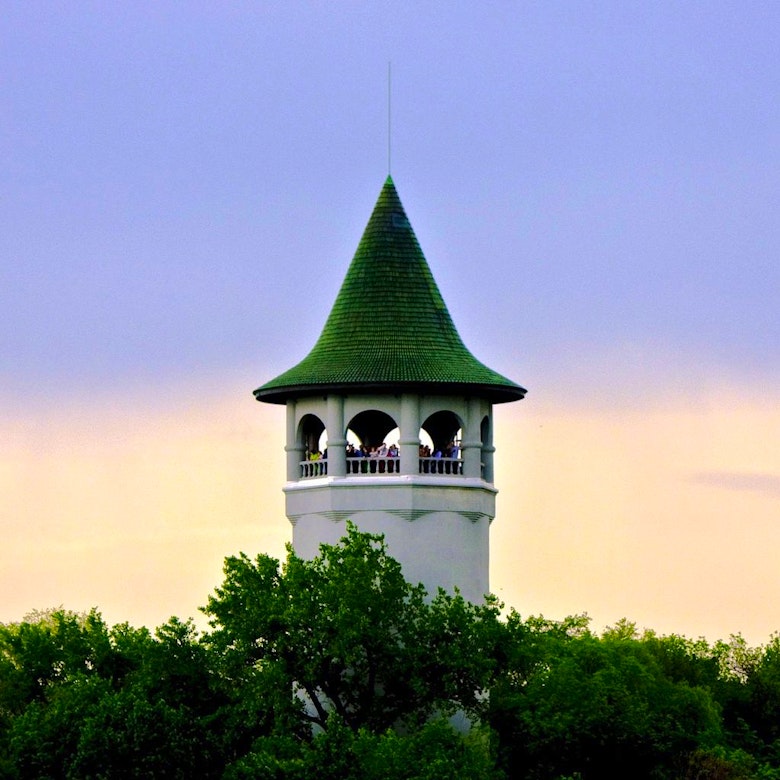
[(313, 435), (371, 428), (440, 444), (372, 443)]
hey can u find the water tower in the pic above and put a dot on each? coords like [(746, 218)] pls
[(390, 367)]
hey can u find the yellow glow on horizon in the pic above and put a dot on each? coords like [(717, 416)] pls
[(668, 516), (134, 512), (660, 515)]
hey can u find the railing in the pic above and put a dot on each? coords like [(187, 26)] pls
[(441, 466), (375, 465), (383, 465), (314, 468)]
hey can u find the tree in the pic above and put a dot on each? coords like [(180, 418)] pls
[(337, 667), (570, 702), (78, 700), (352, 636), (432, 751)]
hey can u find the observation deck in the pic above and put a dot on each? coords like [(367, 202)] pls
[(379, 465)]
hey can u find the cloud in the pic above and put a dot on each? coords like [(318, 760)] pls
[(759, 482)]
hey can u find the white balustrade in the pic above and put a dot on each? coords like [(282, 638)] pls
[(314, 468), (447, 466), (373, 465), (368, 466)]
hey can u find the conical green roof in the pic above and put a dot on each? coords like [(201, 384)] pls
[(389, 328)]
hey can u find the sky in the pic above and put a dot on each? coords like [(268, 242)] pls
[(594, 185)]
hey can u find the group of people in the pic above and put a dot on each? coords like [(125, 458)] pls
[(372, 460), (382, 451), (380, 459), (452, 450), (446, 461)]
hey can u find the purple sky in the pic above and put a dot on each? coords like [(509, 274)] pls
[(181, 182), (595, 187)]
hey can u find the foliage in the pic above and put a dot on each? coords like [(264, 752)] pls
[(434, 751), (352, 636), (79, 700), (597, 707), (339, 668)]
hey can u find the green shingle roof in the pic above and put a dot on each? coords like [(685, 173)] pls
[(389, 328)]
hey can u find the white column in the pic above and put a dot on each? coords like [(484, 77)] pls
[(293, 448), (409, 430), (337, 456), (472, 442), (488, 449)]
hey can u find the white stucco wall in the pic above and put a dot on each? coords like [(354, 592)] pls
[(436, 527)]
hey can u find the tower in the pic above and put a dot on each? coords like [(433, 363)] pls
[(389, 364)]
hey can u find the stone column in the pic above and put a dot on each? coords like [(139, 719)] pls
[(337, 456), (293, 448), (409, 429), (472, 442), (488, 449)]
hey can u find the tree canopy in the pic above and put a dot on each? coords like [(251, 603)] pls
[(340, 668)]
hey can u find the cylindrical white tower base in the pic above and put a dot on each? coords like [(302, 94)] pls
[(436, 527)]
